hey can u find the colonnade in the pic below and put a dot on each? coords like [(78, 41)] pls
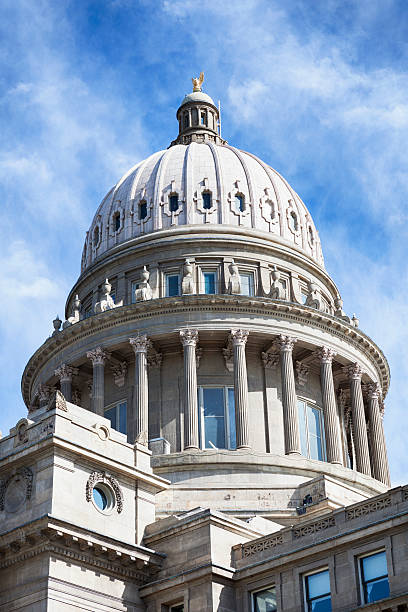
[(370, 449)]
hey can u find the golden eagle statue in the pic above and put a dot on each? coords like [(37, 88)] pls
[(198, 82)]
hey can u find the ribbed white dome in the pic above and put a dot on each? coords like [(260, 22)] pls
[(269, 203)]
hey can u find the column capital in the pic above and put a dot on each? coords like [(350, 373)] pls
[(189, 337), (98, 356), (353, 371), (325, 354), (239, 337), (65, 372), (140, 343), (285, 343), (372, 390)]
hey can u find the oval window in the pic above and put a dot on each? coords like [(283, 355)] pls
[(103, 497)]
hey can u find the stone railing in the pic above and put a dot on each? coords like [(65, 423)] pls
[(333, 524)]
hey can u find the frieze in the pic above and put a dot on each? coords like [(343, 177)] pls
[(310, 528), (367, 507), (260, 545), (21, 481), (96, 477)]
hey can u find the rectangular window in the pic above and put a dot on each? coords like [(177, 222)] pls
[(117, 416), (173, 201), (134, 286), (311, 430), (317, 592), (177, 608), (374, 577), (172, 285), (209, 282), (247, 283), (216, 407), (265, 600)]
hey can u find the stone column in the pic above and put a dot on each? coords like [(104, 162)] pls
[(289, 399), (98, 357), (141, 345), (239, 338), (189, 340), (331, 425), (65, 374), (379, 460), (354, 373)]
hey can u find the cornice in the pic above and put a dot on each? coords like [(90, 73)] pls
[(241, 305)]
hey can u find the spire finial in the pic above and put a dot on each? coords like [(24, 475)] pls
[(197, 82)]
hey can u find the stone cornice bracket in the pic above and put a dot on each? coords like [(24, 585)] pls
[(189, 337), (140, 343), (353, 371), (65, 372), (285, 343), (372, 390), (302, 373), (98, 356), (270, 360), (239, 337), (325, 354)]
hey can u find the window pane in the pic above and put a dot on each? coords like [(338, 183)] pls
[(209, 282), (143, 210), (379, 589), (302, 428), (214, 432), (265, 601), (122, 417), (318, 584), (174, 203), (374, 566), (206, 200), (232, 442), (315, 448), (322, 604), (247, 284), (172, 285), (239, 203), (313, 418), (213, 402), (111, 415)]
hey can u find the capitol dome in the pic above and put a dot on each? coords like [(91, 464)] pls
[(201, 184)]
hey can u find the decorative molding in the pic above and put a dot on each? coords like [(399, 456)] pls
[(239, 337), (203, 187), (154, 359), (98, 356), (228, 354), (310, 528), (140, 343), (23, 472), (57, 400), (189, 337), (65, 372), (269, 211), (325, 354), (261, 545), (235, 191), (368, 507), (353, 371), (96, 477), (270, 360), (119, 371), (285, 343), (302, 373), (372, 390)]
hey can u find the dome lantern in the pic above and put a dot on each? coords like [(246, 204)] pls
[(198, 117)]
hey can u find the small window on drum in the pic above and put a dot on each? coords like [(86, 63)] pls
[(207, 200), (142, 210), (185, 120), (203, 118), (194, 116), (96, 236), (240, 202), (116, 221), (311, 237), (103, 497), (293, 222), (173, 202)]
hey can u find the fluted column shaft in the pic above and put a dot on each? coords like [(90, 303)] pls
[(331, 424), (141, 345), (379, 460), (239, 338), (289, 399), (98, 357), (65, 374), (189, 340), (358, 416)]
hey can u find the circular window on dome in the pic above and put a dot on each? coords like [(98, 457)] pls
[(103, 497)]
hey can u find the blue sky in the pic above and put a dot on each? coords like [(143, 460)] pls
[(317, 89)]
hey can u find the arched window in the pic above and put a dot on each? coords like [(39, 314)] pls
[(185, 120), (96, 236), (173, 202), (240, 202), (207, 200), (142, 210), (293, 221), (203, 117), (116, 221)]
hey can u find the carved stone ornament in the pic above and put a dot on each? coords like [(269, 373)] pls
[(65, 372), (98, 356), (106, 303), (16, 489), (314, 298), (339, 312), (302, 373), (189, 337), (170, 190), (144, 292), (269, 210), (96, 477), (188, 284), (119, 371), (140, 343), (325, 354), (228, 355), (75, 317), (235, 192), (353, 371), (76, 397), (203, 188), (277, 290), (234, 281), (239, 337), (285, 343), (57, 400), (142, 438), (21, 432), (154, 358), (270, 360), (372, 390)]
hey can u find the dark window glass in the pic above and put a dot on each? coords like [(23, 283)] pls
[(117, 416), (318, 597), (174, 203), (177, 608), (116, 221), (96, 235), (265, 601), (209, 282), (173, 282), (207, 200), (142, 210), (293, 222), (203, 118), (374, 575), (194, 116), (185, 119), (240, 202)]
